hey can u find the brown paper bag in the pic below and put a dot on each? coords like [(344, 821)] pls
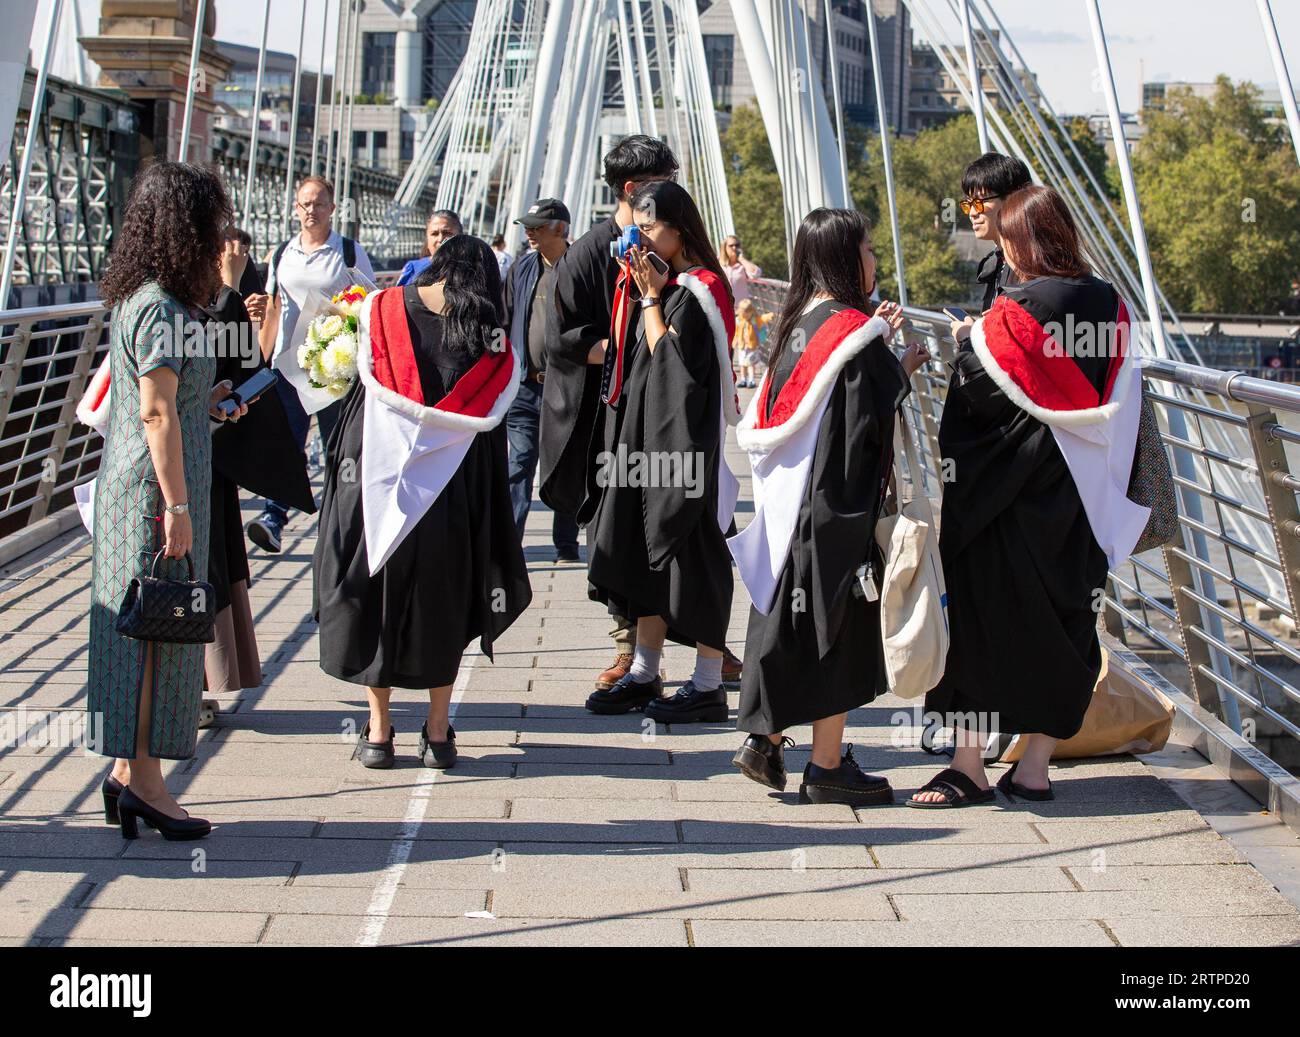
[(1125, 716)]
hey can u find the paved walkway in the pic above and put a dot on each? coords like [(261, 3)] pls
[(559, 827)]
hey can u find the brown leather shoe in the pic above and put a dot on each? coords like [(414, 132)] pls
[(732, 667), (622, 663)]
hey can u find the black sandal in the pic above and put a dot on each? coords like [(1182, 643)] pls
[(1011, 790), (957, 791)]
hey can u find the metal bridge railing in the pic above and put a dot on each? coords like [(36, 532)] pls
[(1218, 606), (47, 356)]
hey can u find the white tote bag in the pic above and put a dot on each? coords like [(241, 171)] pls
[(913, 598)]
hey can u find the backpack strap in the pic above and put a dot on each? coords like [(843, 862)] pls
[(273, 272)]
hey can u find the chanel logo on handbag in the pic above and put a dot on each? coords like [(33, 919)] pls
[(167, 611)]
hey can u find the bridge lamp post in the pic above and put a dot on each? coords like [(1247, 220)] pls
[(16, 214), (195, 48)]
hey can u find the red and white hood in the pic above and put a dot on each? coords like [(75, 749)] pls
[(92, 410), (781, 447), (410, 451), (1096, 431)]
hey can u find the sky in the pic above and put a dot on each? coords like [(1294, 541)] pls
[(1191, 40)]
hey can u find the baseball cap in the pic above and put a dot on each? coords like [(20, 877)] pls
[(545, 210)]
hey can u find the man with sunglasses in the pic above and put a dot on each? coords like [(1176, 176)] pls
[(985, 184)]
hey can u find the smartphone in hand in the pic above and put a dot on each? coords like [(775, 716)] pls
[(250, 391), (956, 313)]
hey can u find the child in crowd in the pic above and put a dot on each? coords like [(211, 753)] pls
[(746, 344)]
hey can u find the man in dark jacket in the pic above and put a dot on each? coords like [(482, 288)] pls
[(534, 329), (985, 184), (571, 406)]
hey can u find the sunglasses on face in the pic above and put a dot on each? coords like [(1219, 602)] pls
[(976, 205)]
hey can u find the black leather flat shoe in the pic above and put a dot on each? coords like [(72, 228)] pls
[(112, 789), (1007, 784), (691, 705), (438, 755), (132, 810), (763, 760), (625, 695), (375, 755), (845, 784)]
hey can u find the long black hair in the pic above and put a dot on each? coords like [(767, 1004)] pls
[(471, 284), (173, 232), (827, 258), (669, 202)]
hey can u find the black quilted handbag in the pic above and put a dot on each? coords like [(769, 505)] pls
[(1151, 482), (178, 612)]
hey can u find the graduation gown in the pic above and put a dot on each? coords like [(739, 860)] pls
[(570, 426), (819, 433), (417, 554), (656, 549), (1040, 446), (258, 453)]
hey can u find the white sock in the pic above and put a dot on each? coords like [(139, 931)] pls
[(708, 673), (645, 664)]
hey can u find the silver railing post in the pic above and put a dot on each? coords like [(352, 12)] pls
[(67, 416), (1279, 494), (11, 368)]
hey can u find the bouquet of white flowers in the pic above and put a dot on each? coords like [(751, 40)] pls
[(320, 359), (329, 353)]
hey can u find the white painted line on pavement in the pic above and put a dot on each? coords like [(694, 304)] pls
[(381, 900)]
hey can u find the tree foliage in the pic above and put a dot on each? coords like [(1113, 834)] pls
[(755, 191), (1219, 185), (927, 178), (1220, 193)]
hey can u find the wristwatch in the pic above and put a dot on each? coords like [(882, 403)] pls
[(650, 300), (177, 509)]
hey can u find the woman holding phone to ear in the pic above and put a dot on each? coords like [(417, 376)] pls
[(658, 547)]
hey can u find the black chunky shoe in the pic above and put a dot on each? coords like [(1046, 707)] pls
[(763, 760), (112, 789), (375, 755), (132, 809), (625, 695), (845, 784), (438, 755), (691, 705)]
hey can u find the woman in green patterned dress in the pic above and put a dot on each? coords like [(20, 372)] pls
[(152, 489)]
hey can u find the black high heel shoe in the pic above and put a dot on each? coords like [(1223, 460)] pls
[(112, 789), (1010, 789), (132, 809)]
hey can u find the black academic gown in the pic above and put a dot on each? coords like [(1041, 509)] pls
[(1021, 564), (258, 453), (657, 550), (818, 652), (994, 275), (570, 439), (458, 576)]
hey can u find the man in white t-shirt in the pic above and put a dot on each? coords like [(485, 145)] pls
[(318, 259)]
